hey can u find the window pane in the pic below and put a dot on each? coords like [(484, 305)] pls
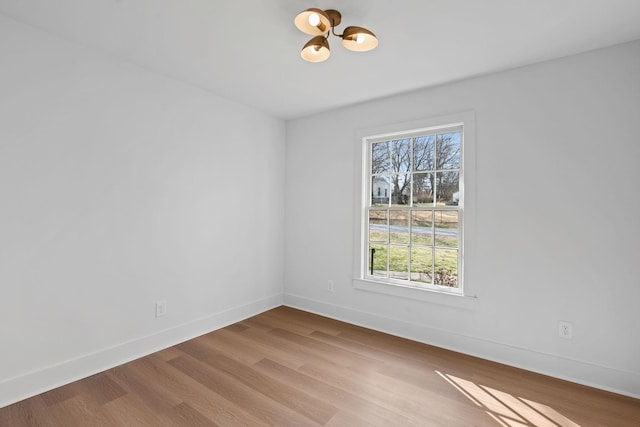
[(400, 155), (400, 192), (446, 228), (380, 157), (422, 228), (399, 262), (399, 226), (423, 189), (380, 191), (422, 264), (423, 151), (448, 151), (378, 253), (446, 267), (378, 226), (447, 188)]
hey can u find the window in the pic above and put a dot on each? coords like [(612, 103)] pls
[(414, 236)]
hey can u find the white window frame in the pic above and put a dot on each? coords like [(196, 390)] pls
[(433, 293)]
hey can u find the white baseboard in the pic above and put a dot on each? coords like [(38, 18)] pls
[(581, 372), (30, 384)]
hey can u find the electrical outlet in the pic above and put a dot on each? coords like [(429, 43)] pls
[(565, 330), (161, 308), (330, 285)]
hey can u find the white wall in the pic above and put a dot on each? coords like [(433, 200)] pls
[(119, 188), (555, 234)]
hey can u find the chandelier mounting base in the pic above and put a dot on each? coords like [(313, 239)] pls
[(334, 16)]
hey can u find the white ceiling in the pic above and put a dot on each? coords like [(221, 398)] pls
[(248, 50)]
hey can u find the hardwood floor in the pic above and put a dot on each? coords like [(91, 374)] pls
[(288, 367)]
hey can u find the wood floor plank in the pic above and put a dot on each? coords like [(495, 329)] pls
[(201, 398), (289, 367), (347, 419), (127, 410), (58, 395), (259, 342), (169, 353), (185, 415), (406, 348), (29, 413), (278, 322), (297, 400), (282, 344), (310, 321), (99, 389), (226, 341), (157, 399), (392, 395), (331, 353), (375, 353), (357, 406), (255, 342), (265, 409), (80, 410)]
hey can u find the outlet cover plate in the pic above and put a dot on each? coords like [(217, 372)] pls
[(161, 308), (330, 285), (565, 330)]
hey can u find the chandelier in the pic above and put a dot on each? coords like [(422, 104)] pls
[(321, 23)]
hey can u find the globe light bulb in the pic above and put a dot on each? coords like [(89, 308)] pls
[(360, 38), (314, 19)]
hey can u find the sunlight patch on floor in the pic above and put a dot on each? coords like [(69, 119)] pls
[(506, 409)]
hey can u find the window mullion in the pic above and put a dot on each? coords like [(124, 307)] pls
[(410, 210), (435, 173), (388, 273)]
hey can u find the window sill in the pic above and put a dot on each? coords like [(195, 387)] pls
[(433, 296)]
